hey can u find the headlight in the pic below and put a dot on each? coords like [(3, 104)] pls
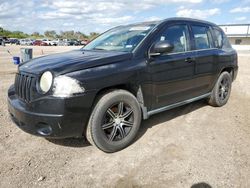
[(65, 86), (46, 81)]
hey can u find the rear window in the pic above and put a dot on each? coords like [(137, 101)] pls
[(202, 37), (218, 38), (226, 43), (221, 41)]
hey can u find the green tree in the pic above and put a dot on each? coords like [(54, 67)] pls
[(36, 35), (50, 34), (93, 35), (18, 34)]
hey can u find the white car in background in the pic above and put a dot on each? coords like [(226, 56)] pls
[(63, 42), (69, 42), (27, 42), (51, 42)]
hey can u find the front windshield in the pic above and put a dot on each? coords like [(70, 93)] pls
[(124, 38)]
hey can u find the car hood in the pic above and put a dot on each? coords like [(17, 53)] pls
[(62, 63)]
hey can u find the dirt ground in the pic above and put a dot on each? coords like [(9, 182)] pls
[(192, 144)]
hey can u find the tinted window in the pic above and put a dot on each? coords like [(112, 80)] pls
[(177, 36), (226, 44), (218, 38), (221, 41), (201, 37)]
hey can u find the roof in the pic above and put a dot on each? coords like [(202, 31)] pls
[(189, 19), (172, 19)]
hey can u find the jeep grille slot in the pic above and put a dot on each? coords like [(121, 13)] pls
[(23, 86)]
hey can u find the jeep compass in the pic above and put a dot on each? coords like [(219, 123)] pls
[(103, 90)]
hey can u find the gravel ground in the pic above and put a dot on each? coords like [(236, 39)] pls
[(190, 145)]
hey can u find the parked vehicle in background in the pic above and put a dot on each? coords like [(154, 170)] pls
[(66, 42), (14, 41), (69, 42), (39, 43), (55, 42), (6, 40), (75, 42), (1, 41), (84, 42), (51, 42), (127, 74), (27, 42), (60, 42), (63, 42)]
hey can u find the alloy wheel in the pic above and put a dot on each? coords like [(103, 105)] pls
[(118, 121), (224, 88)]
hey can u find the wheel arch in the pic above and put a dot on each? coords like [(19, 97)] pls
[(229, 69), (132, 88)]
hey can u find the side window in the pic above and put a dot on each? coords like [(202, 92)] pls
[(221, 40), (201, 37), (218, 38), (177, 36), (225, 43)]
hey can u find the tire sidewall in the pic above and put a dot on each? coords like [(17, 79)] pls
[(97, 134), (219, 102)]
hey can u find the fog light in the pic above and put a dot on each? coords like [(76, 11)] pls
[(44, 129)]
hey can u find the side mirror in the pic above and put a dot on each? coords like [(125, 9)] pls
[(160, 47)]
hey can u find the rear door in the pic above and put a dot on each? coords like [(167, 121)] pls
[(205, 56), (172, 74)]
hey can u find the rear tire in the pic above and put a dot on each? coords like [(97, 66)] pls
[(221, 91), (114, 122)]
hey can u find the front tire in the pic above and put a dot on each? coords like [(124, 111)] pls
[(221, 91), (114, 122)]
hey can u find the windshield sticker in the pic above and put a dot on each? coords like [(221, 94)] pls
[(139, 28)]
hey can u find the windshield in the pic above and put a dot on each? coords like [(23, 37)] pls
[(124, 38)]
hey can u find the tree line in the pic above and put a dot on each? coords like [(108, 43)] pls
[(51, 34)]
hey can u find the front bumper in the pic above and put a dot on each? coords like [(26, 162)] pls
[(51, 117)]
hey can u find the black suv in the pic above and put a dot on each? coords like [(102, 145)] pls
[(128, 73)]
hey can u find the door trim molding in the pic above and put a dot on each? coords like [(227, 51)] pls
[(162, 109)]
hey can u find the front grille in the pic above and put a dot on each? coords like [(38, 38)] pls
[(23, 86)]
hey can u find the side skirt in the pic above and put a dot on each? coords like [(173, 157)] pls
[(156, 111)]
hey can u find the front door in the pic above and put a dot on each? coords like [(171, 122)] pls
[(172, 74)]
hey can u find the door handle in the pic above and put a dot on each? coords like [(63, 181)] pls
[(190, 60)]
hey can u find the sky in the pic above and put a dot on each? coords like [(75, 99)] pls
[(99, 15)]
